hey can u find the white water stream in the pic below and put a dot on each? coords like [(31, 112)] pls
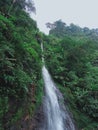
[(52, 109), (56, 115)]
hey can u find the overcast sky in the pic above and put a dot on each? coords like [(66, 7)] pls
[(80, 12)]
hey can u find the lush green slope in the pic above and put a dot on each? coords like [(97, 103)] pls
[(20, 64), (71, 54), (73, 65)]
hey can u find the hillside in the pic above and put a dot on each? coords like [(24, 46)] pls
[(71, 56), (20, 63), (72, 59)]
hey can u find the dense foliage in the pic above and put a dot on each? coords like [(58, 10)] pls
[(61, 29), (73, 63), (20, 62), (71, 54)]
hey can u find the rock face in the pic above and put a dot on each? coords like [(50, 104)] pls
[(23, 125), (30, 123), (39, 119)]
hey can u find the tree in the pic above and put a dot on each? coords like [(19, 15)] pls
[(25, 4), (8, 6), (58, 28)]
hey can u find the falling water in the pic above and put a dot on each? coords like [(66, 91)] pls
[(42, 53), (56, 115)]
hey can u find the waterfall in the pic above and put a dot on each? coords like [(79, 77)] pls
[(42, 52), (52, 109), (56, 114)]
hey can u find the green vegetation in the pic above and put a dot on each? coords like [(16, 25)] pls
[(20, 62), (72, 61), (71, 55)]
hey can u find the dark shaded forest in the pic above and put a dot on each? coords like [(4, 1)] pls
[(71, 56)]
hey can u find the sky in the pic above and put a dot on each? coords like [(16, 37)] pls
[(80, 12)]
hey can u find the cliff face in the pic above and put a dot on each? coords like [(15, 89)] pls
[(30, 123), (17, 117), (20, 68)]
